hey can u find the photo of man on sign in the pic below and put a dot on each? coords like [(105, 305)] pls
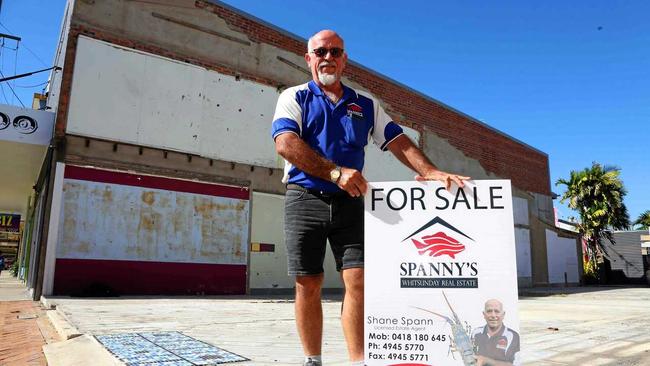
[(496, 344)]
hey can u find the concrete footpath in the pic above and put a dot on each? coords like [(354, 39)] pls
[(572, 326), (575, 326)]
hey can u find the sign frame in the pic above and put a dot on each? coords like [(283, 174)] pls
[(438, 266)]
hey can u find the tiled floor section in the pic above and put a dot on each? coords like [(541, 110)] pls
[(164, 349), (24, 330)]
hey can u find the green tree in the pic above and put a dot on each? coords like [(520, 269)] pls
[(643, 222), (596, 193)]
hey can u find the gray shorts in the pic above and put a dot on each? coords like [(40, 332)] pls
[(310, 219)]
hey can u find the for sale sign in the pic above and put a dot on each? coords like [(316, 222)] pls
[(441, 274)]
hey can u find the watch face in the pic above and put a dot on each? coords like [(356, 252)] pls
[(335, 174)]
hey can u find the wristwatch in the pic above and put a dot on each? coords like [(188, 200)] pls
[(335, 174)]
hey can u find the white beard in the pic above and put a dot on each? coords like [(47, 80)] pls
[(327, 79)]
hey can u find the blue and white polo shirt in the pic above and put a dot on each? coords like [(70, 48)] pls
[(338, 132)]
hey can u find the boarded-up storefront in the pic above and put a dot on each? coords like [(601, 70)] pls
[(140, 234)]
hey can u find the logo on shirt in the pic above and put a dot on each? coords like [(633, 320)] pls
[(502, 343), (355, 110), (439, 243)]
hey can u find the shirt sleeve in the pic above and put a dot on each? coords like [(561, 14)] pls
[(288, 114), (384, 130), (513, 354)]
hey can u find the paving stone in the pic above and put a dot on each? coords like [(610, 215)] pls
[(263, 329), (23, 330), (606, 327), (19, 342)]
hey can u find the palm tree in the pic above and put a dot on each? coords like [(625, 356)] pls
[(643, 221), (596, 193)]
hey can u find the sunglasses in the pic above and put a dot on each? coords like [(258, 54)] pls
[(322, 51)]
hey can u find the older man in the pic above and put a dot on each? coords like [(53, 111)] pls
[(497, 345), (321, 129)]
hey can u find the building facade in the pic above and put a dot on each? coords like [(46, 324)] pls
[(164, 178)]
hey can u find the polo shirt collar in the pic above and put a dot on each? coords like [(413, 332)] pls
[(348, 93), (497, 334), (314, 88)]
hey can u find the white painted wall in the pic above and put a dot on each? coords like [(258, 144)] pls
[(562, 257), (56, 213), (520, 210), (382, 166), (522, 240), (120, 222), (125, 95), (269, 270), (522, 246)]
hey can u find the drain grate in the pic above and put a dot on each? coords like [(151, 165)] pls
[(165, 349)]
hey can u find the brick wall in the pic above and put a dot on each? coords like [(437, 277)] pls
[(498, 154)]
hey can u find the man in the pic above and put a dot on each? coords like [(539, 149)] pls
[(497, 345), (321, 128)]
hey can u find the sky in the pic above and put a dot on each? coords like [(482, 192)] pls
[(571, 79)]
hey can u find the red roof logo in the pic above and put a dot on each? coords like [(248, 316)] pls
[(438, 244), (355, 110), (355, 107)]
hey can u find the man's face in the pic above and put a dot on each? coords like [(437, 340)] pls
[(325, 69), (493, 314)]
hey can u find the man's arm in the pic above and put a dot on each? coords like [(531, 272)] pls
[(302, 156), (411, 156)]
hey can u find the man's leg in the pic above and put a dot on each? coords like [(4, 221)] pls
[(309, 313), (352, 315), (306, 220)]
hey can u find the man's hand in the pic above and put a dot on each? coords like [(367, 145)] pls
[(352, 182), (298, 153), (444, 177)]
